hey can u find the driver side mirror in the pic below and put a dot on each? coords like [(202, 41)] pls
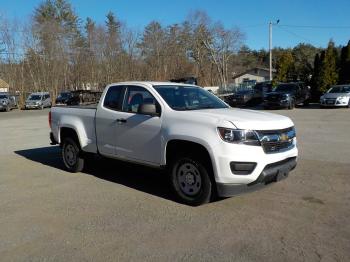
[(148, 109)]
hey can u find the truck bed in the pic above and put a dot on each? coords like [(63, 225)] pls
[(79, 118), (82, 106)]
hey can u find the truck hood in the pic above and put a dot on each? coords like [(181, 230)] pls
[(247, 119)]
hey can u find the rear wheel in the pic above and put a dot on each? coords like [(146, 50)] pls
[(72, 155), (190, 181)]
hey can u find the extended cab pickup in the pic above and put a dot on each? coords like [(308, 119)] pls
[(207, 147)]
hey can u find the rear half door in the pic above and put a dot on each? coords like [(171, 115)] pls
[(107, 115)]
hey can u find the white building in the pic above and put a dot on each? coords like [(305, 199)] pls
[(213, 89), (255, 74), (4, 87)]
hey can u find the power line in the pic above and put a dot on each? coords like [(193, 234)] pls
[(296, 35), (316, 26)]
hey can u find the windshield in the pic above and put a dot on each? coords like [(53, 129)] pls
[(3, 96), (189, 97), (64, 95), (34, 97), (285, 88), (339, 89)]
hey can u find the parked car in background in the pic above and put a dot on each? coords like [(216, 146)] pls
[(63, 98), (7, 102), (287, 95), (240, 98), (262, 88), (38, 100), (80, 97), (338, 95)]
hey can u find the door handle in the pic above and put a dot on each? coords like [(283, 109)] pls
[(121, 120)]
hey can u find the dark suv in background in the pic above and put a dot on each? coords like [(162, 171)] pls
[(287, 95)]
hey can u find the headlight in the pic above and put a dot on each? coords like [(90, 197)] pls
[(342, 98), (239, 136), (38, 103)]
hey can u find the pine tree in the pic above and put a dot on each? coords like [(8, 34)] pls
[(285, 68), (315, 93), (329, 71), (344, 72)]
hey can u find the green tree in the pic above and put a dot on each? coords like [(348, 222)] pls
[(304, 55), (315, 93), (344, 72), (285, 67), (328, 71)]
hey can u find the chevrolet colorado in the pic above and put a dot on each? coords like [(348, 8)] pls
[(208, 148)]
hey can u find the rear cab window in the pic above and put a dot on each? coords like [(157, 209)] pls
[(114, 98)]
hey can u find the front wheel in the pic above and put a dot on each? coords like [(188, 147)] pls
[(190, 181), (291, 104), (72, 156)]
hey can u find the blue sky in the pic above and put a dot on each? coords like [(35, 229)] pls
[(252, 16)]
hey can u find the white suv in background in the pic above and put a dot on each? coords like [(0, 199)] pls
[(38, 100)]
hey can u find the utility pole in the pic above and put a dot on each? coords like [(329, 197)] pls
[(270, 45)]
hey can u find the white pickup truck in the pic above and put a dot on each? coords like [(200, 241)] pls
[(208, 148)]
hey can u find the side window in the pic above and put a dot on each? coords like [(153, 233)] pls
[(137, 96), (114, 97)]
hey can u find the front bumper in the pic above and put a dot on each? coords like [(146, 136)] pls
[(273, 172), (276, 104), (325, 103), (32, 106)]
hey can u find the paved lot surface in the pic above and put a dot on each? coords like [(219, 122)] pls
[(116, 211)]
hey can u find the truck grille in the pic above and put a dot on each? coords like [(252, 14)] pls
[(330, 101), (274, 141)]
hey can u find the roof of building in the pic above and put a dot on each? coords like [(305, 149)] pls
[(3, 84), (249, 71)]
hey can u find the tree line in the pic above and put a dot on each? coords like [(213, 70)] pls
[(56, 50)]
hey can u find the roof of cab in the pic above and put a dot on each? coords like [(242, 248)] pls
[(152, 83)]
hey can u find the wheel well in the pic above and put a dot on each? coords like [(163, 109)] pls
[(68, 132), (180, 147)]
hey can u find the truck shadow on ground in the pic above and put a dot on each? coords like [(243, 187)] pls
[(145, 179)]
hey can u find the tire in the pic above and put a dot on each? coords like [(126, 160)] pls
[(291, 104), (306, 103), (190, 181), (72, 155), (8, 109), (42, 107)]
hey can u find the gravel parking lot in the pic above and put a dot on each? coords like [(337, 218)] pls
[(116, 211)]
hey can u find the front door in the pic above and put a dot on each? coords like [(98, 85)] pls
[(138, 135)]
